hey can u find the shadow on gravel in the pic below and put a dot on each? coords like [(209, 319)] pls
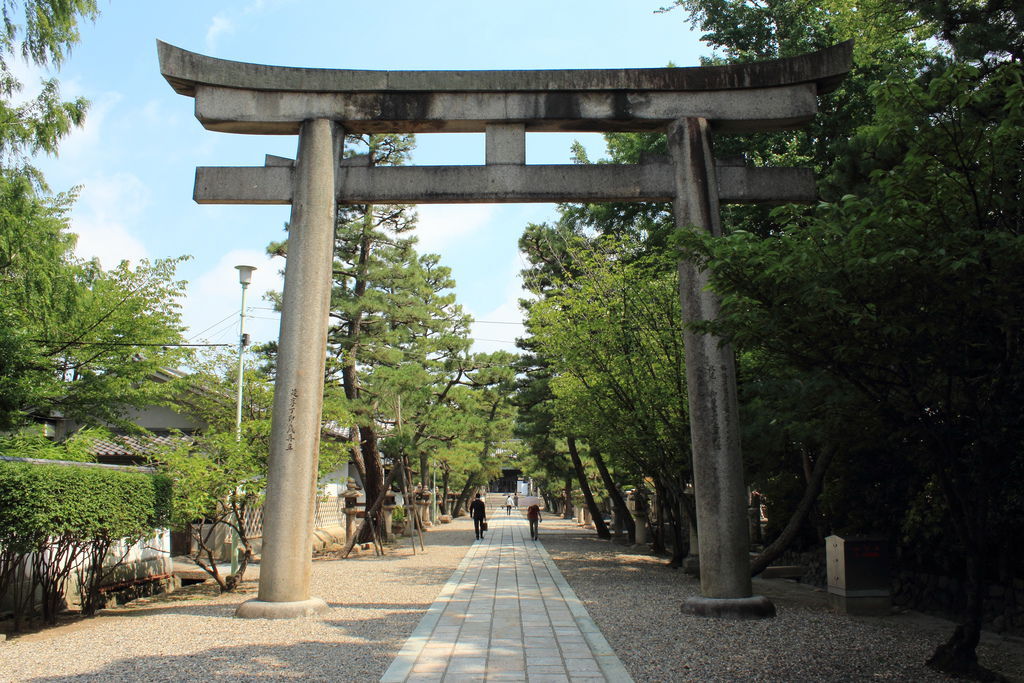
[(371, 630), (307, 660), (221, 610), (384, 606)]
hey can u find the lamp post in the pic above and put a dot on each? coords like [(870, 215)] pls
[(245, 279)]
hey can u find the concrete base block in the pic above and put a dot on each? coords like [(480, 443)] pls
[(754, 607), (259, 609), (792, 571), (865, 606)]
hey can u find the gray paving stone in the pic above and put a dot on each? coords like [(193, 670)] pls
[(505, 663), (467, 665), (544, 668), (423, 665), (581, 665)]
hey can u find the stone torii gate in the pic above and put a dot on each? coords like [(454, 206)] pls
[(321, 105)]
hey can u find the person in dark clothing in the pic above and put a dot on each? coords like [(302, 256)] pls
[(478, 511), (533, 516)]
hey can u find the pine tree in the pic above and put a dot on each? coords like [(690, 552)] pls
[(396, 330)]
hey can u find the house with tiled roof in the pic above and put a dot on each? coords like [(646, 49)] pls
[(165, 425)]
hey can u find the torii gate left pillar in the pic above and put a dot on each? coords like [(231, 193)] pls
[(288, 512), (685, 103)]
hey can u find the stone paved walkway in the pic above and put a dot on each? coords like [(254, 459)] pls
[(506, 614)]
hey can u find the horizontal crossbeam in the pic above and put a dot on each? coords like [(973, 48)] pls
[(650, 182), (230, 110)]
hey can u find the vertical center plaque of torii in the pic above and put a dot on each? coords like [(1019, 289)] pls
[(690, 105)]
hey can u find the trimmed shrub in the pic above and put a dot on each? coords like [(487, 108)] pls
[(59, 518)]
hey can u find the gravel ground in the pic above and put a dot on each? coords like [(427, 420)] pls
[(191, 635), (377, 602), (634, 599)]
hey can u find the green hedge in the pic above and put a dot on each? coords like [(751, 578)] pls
[(65, 518), (43, 501)]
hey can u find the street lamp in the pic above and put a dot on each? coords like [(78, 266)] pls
[(245, 279)]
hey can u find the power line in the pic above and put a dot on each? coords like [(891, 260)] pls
[(84, 343), (229, 315)]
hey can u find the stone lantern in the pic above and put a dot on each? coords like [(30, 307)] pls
[(636, 502), (351, 497), (388, 507)]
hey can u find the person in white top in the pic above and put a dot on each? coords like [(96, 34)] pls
[(508, 505)]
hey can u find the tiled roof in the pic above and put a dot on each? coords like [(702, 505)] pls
[(127, 446)]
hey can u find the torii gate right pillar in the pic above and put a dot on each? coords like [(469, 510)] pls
[(713, 406)]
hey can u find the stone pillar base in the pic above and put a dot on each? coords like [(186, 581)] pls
[(754, 607), (869, 605), (260, 609), (640, 527)]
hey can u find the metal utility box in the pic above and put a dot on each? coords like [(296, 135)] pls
[(858, 575)]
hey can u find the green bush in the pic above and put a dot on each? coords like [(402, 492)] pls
[(63, 518), (398, 514)]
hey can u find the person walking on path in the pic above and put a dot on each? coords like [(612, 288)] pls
[(508, 505), (515, 501), (478, 511), (534, 517)]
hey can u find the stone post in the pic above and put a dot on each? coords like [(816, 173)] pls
[(388, 509), (711, 387), (640, 524), (423, 501), (298, 396), (351, 496), (636, 509)]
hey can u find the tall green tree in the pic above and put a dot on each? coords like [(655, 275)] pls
[(611, 332), (74, 338), (42, 32), (397, 333)]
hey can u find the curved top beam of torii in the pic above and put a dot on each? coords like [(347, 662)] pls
[(185, 70), (240, 97)]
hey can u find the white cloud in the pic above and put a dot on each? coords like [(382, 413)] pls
[(254, 6), (106, 208), (211, 306), (81, 144), (441, 224), (222, 24), (219, 25)]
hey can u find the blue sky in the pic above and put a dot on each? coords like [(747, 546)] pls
[(135, 158)]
